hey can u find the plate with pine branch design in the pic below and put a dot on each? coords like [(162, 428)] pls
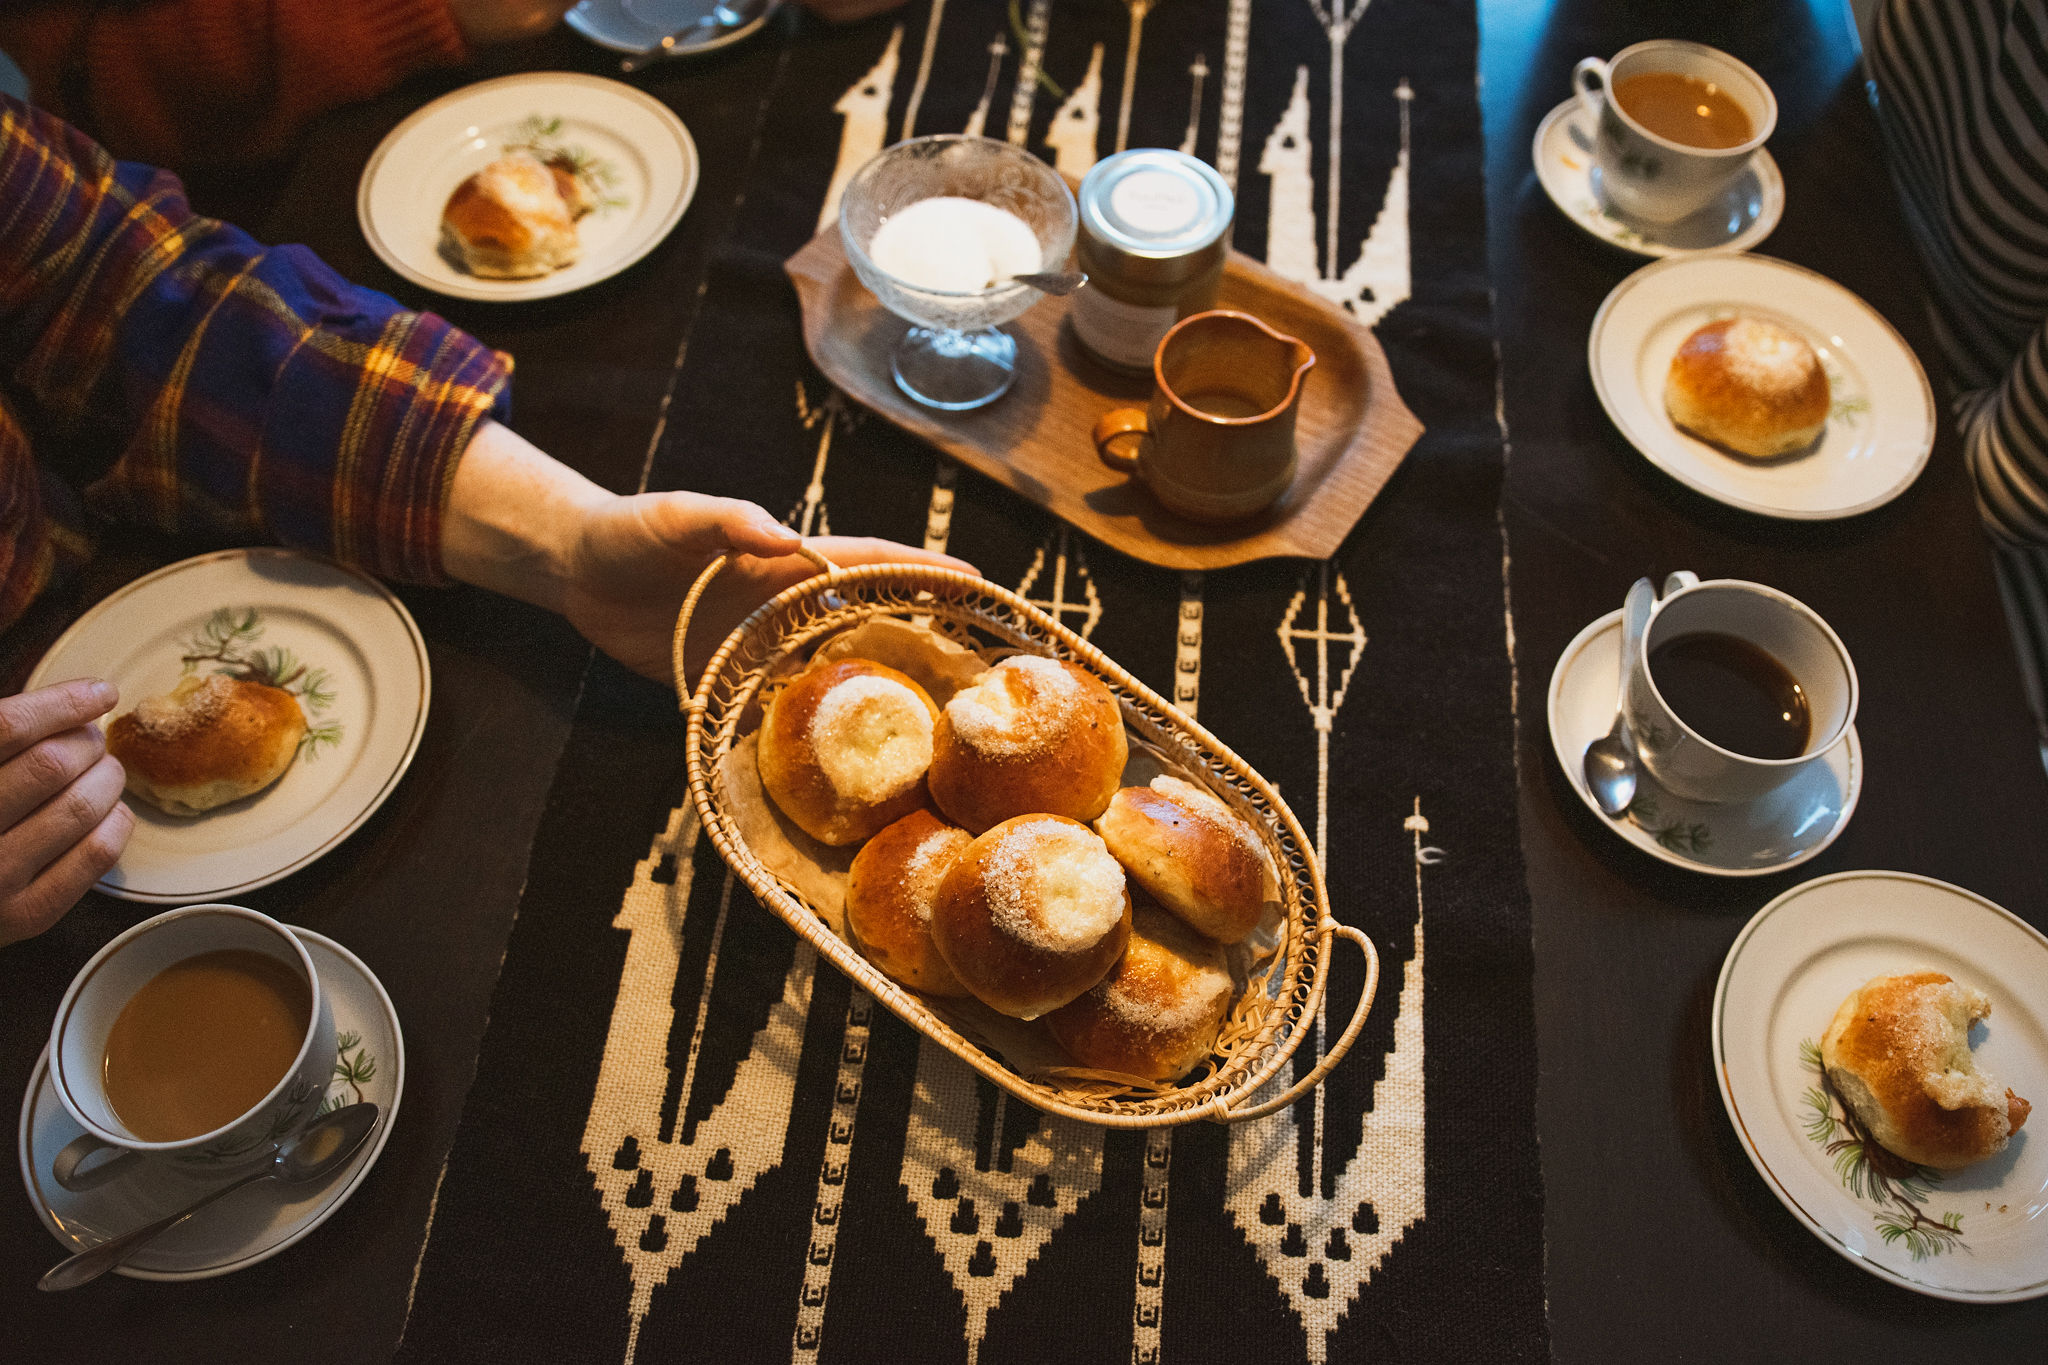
[(1978, 1234), (338, 641)]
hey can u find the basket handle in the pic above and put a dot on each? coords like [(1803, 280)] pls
[(697, 589), (1336, 1051)]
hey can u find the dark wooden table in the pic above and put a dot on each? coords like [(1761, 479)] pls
[(1662, 1241)]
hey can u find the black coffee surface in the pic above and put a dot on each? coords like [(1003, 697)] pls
[(1733, 693)]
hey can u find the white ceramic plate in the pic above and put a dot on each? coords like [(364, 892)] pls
[(332, 619), (1747, 839), (1743, 216), (640, 25), (251, 1225), (649, 153), (1788, 970), (1877, 440)]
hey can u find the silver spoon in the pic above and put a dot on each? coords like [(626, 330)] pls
[(723, 16), (318, 1150), (1610, 763), (1058, 283)]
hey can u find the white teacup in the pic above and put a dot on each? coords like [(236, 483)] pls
[(1679, 757), (1654, 179), (104, 986)]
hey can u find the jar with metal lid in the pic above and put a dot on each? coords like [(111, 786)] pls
[(1155, 227)]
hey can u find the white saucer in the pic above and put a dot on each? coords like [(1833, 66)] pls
[(1877, 440), (250, 1225), (1750, 839), (1788, 971), (648, 152), (1743, 216), (640, 25), (333, 619)]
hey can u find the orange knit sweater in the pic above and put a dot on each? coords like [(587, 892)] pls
[(212, 82)]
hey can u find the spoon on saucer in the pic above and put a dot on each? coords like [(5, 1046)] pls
[(1610, 763), (318, 1150), (722, 16)]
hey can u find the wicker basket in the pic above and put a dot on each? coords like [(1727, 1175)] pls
[(1269, 1020)]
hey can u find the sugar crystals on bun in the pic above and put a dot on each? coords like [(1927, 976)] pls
[(1193, 853), (1032, 736), (890, 891), (844, 749), (1157, 1013), (1749, 386), (209, 741)]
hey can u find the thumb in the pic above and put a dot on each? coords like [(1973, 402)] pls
[(748, 529), (696, 524)]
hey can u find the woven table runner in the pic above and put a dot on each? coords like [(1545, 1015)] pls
[(688, 1139)]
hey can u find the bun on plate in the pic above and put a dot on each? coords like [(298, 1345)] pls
[(1032, 914), (1193, 854), (209, 741), (1898, 1053), (1031, 736), (515, 218), (844, 748), (1750, 386), (1157, 1013), (889, 895)]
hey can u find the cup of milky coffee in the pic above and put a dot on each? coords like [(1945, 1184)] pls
[(1737, 688), (1675, 123), (201, 1035)]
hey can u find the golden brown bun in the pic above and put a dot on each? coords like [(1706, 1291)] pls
[(889, 894), (1898, 1053), (1157, 1013), (1032, 736), (1749, 386), (210, 741), (1193, 854), (844, 749), (1032, 914), (511, 220)]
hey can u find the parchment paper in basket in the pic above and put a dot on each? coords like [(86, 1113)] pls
[(939, 665)]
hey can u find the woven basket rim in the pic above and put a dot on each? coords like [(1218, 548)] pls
[(1301, 957)]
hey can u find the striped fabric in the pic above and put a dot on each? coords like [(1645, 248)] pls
[(187, 377), (1963, 102)]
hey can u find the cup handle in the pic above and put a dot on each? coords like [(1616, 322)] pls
[(1680, 581), (66, 1167), (1588, 100), (1110, 438)]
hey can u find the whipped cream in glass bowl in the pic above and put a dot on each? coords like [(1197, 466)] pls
[(936, 227)]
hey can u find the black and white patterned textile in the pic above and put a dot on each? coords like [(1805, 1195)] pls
[(690, 1140)]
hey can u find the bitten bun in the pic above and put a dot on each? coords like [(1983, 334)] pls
[(1157, 1013), (889, 894), (1032, 914), (1898, 1053), (514, 219), (209, 741), (1749, 386), (844, 748), (1193, 854), (1032, 736)]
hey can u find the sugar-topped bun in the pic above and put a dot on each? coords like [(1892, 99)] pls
[(1157, 1013), (210, 741), (1748, 385), (1032, 914), (844, 749), (1034, 735), (1898, 1053), (515, 218), (1193, 853), (889, 894)]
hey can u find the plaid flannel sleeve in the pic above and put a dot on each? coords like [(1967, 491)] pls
[(245, 390)]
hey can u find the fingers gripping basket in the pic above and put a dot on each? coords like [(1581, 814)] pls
[(1269, 1020)]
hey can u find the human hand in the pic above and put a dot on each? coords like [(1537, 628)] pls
[(847, 11), (62, 820), (501, 21), (637, 558)]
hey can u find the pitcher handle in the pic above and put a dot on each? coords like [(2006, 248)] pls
[(66, 1167), (1588, 100), (1111, 432)]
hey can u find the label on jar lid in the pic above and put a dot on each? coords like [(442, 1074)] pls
[(1155, 203)]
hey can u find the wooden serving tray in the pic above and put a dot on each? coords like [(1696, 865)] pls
[(1352, 430)]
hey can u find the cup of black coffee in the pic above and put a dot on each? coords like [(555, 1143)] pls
[(1738, 688)]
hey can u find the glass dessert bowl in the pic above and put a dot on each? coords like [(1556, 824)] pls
[(935, 227)]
